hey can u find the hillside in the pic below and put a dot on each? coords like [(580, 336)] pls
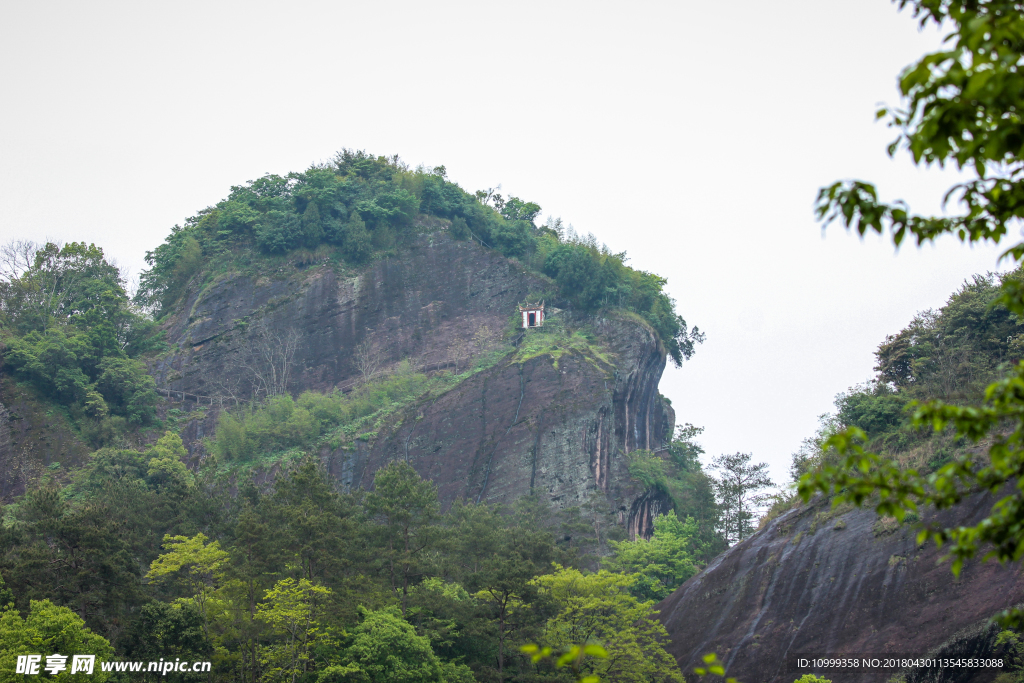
[(323, 402), (338, 277)]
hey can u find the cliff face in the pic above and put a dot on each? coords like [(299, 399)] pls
[(832, 582), (411, 307), (533, 426), (561, 427), (34, 440)]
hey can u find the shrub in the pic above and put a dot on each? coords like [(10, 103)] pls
[(283, 422)]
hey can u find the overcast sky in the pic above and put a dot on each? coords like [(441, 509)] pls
[(693, 135)]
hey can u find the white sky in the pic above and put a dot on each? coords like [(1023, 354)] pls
[(694, 135)]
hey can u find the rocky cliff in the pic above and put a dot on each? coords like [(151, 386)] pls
[(818, 580), (560, 424)]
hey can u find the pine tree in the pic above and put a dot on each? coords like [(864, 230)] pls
[(737, 492), (357, 243), (312, 227)]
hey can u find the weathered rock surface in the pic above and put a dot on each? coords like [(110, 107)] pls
[(562, 428), (34, 439), (409, 307), (533, 426), (814, 581)]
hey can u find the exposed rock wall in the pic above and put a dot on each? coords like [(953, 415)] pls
[(562, 428), (34, 439), (409, 307), (531, 426), (814, 581)]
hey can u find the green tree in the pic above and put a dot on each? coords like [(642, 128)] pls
[(737, 490), (167, 631), (577, 270), (69, 329), (63, 281), (166, 468), (196, 564), (73, 554), (405, 507), (515, 209), (693, 492), (6, 595), (313, 521), (356, 241), (257, 554), (49, 630), (961, 105), (384, 648), (460, 229), (172, 266), (293, 610), (497, 558), (599, 608), (439, 610), (312, 226), (660, 564)]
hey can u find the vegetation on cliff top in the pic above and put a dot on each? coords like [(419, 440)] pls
[(359, 206), (950, 354)]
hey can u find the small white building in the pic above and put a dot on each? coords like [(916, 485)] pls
[(533, 314)]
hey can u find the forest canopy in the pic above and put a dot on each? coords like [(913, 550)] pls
[(68, 328)]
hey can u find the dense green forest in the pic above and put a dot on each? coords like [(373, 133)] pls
[(68, 329), (297, 581)]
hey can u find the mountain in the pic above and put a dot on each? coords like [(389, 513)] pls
[(556, 413), (357, 393), (359, 285)]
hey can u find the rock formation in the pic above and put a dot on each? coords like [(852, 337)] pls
[(833, 582), (561, 428)]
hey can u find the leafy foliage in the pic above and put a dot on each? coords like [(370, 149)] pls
[(49, 628), (292, 609), (293, 580), (961, 105), (600, 606), (282, 422), (680, 475), (662, 563), (69, 329), (384, 647), (592, 276)]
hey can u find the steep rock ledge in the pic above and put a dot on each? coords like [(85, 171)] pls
[(814, 581)]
